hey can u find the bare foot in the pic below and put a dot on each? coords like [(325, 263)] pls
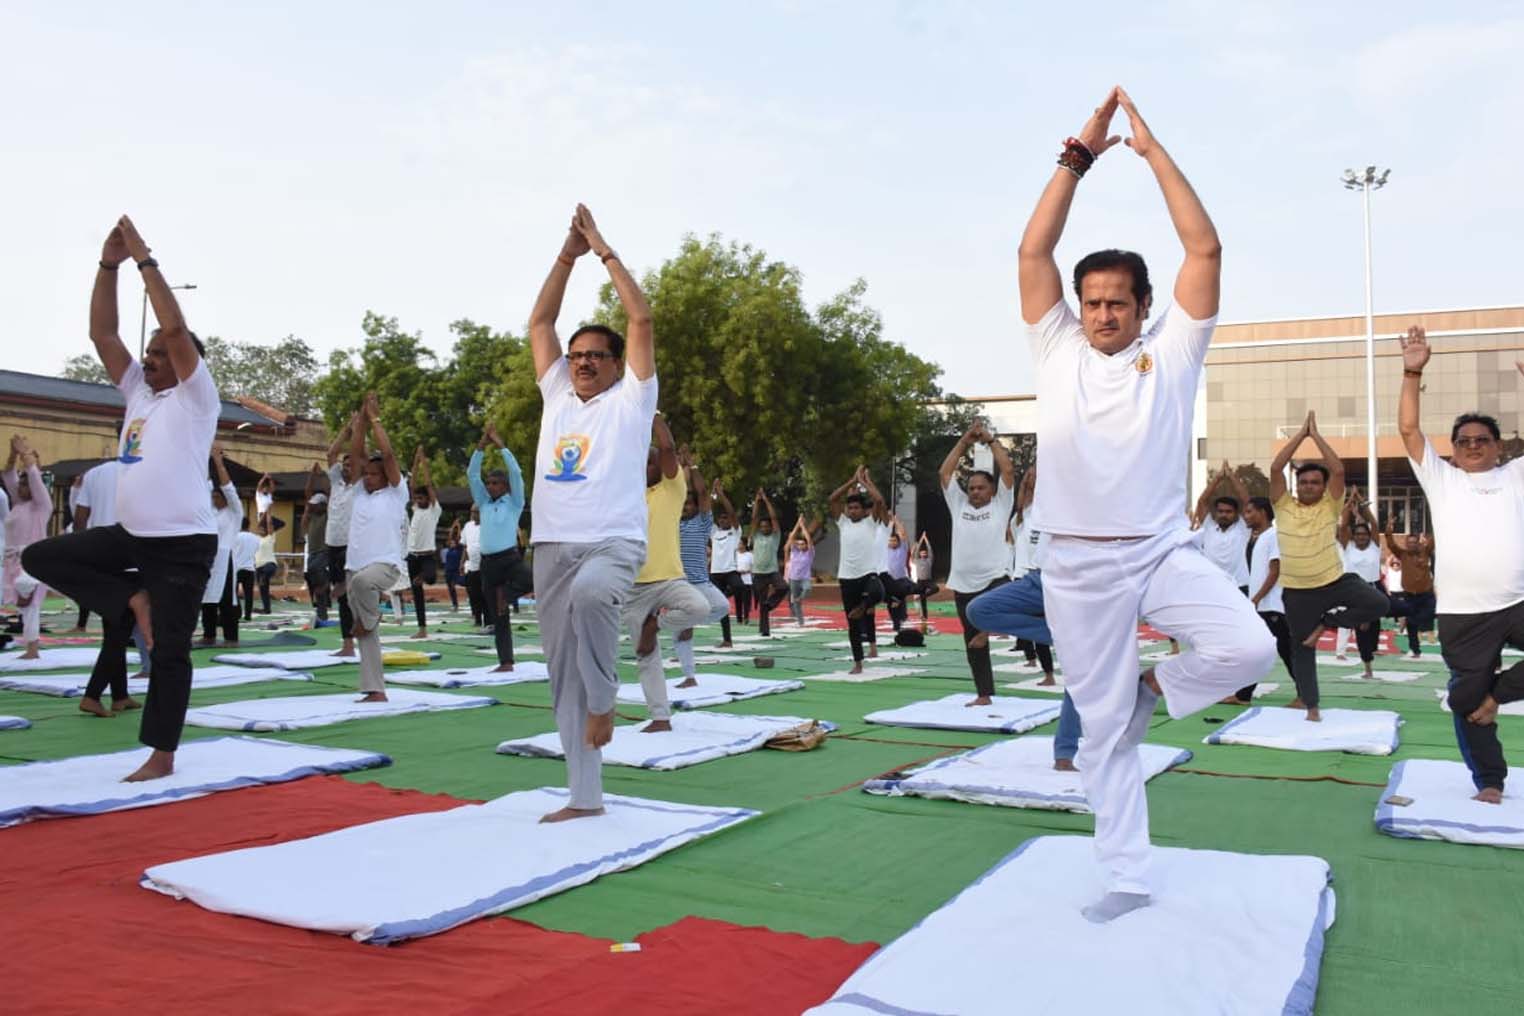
[(502, 668), (347, 649), (206, 642), (1148, 678), (688, 682), (1489, 795), (656, 727), (979, 700), (138, 604), (1064, 765), (873, 652), (569, 813), (979, 641), (1231, 700), (31, 652), (1486, 714), (1369, 675), (123, 705), (1047, 681), (159, 765), (421, 633), (94, 708), (857, 668), (646, 644), (372, 696), (76, 630), (230, 643), (1314, 716), (725, 645), (1296, 703), (1311, 641)]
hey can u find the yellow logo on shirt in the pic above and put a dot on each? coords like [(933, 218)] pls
[(571, 456), (1145, 363)]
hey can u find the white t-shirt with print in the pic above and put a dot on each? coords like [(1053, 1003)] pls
[(376, 521), (1478, 533), (97, 492), (164, 451), (1266, 549), (1115, 431), (859, 546), (590, 464), (341, 497), (978, 537), (1228, 549), (1364, 563), (422, 527), (471, 539), (722, 549)]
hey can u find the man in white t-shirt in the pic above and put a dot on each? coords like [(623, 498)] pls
[(341, 493), (978, 543), (93, 502), (589, 525), (1263, 555), (374, 560), (423, 539), (1475, 506), (1114, 429), (1225, 537), (862, 527), (471, 566), (165, 525)]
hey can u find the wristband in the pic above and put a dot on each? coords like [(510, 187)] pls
[(1411, 373), (109, 267), (568, 262), (147, 263), (610, 256)]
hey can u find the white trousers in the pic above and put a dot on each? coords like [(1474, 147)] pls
[(1343, 640), (1094, 593), (680, 606)]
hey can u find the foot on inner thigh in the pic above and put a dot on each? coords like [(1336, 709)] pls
[(138, 604), (1064, 765), (1489, 795), (1486, 714), (1114, 905), (159, 764), (656, 727), (569, 813), (94, 708), (646, 645), (1311, 641), (979, 641)]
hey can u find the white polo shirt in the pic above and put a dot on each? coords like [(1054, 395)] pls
[(164, 450), (422, 527), (1227, 549), (722, 549), (1478, 533), (978, 537), (1115, 431), (97, 492), (376, 522), (590, 464)]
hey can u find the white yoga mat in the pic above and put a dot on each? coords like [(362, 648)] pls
[(523, 672), (1506, 709), (403, 641), (1024, 667), (57, 659), (868, 674), (695, 737), (14, 723), (886, 656), (1006, 714), (1034, 684), (711, 690), (303, 659), (1017, 773), (298, 712), (527, 649), (1359, 731), (1442, 808), (91, 784), (374, 882), (73, 685), (1245, 934), (703, 660)]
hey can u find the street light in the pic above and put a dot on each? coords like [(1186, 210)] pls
[(143, 322), (1365, 183)]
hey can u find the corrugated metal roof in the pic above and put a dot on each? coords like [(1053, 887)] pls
[(40, 387)]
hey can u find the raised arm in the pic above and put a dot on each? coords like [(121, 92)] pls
[(1199, 283), (1236, 484), (183, 356), (880, 506), (357, 431), (1283, 457), (1346, 518), (1037, 272), (543, 342), (383, 443), (1003, 464), (718, 494), (1331, 460), (836, 504), (345, 436), (423, 477), (899, 530), (220, 467), (1204, 502), (113, 353), (639, 343), (1415, 357), (772, 513), (1391, 540), (695, 479), (312, 475), (666, 447), (756, 516)]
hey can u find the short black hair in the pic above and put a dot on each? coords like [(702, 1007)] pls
[(200, 346), (615, 340), (375, 457), (858, 497), (1359, 526), (498, 474), (1264, 505), (984, 473), (1231, 502), (1318, 466), (245, 524), (1105, 260), (1482, 418)]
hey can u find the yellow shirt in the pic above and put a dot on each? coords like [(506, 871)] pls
[(1307, 534), (664, 506)]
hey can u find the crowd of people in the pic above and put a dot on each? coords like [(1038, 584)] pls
[(627, 533)]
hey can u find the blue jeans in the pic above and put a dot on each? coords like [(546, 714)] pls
[(1016, 608), (1461, 737)]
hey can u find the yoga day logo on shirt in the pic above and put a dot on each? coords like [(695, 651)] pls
[(571, 458), (1145, 363), (132, 441)]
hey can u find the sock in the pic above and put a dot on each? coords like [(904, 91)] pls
[(685, 658), (1114, 905)]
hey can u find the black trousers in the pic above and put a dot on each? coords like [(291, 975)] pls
[(1276, 622), (1416, 611), (474, 597), (978, 659), (246, 592), (452, 579), (1347, 602), (264, 573), (421, 568), (224, 610), (1043, 654), (504, 578), (768, 589), (897, 593), (84, 616), (864, 592), (923, 589), (93, 568), (1471, 644), (727, 583), (338, 557)]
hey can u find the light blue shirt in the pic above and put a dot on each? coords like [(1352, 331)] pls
[(500, 517)]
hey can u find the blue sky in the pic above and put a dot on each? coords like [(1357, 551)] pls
[(302, 163)]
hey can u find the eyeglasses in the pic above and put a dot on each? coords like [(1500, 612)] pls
[(593, 356), (1480, 441)]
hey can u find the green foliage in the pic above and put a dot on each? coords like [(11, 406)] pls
[(85, 367), (281, 375)]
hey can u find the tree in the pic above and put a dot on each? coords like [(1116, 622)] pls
[(86, 367), (281, 375)]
